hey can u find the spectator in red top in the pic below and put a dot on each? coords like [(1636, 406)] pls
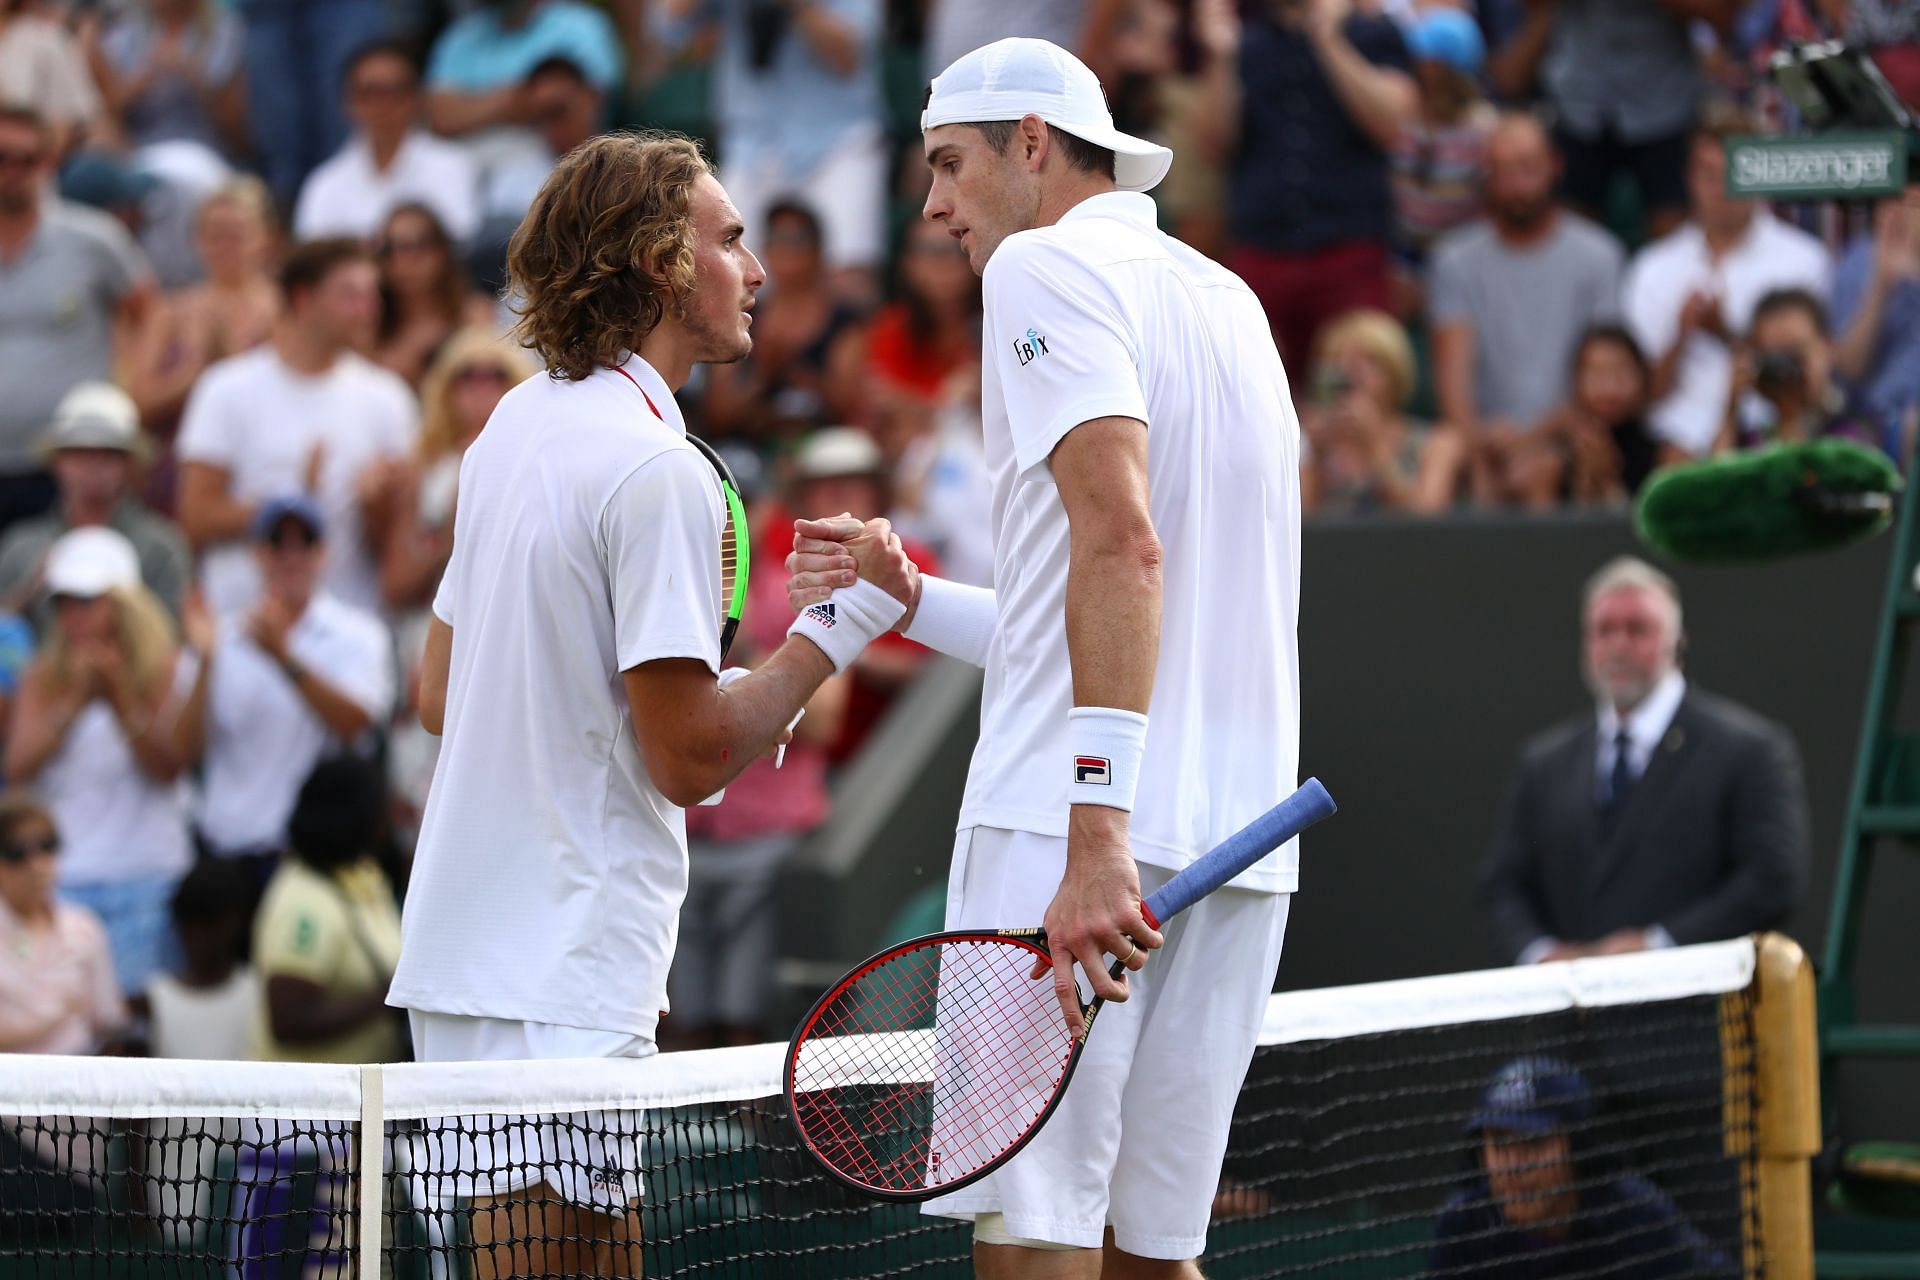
[(932, 332), (841, 469)]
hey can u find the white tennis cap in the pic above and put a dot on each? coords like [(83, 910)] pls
[(89, 561), (1018, 77)]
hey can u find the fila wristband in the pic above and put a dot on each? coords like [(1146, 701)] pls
[(848, 621), (1106, 744)]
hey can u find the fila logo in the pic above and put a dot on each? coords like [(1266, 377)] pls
[(1029, 348), (822, 614), (1093, 771)]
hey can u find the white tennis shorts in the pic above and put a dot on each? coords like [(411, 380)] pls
[(1138, 1138), (591, 1158)]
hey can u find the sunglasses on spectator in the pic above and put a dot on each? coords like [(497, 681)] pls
[(409, 244), (21, 159), (292, 537), (481, 373), (384, 88), (45, 847)]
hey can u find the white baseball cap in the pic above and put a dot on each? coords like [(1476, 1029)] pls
[(1017, 77), (95, 415), (87, 562)]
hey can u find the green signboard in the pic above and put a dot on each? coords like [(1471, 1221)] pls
[(1840, 166)]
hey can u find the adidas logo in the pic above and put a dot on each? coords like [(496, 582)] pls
[(822, 614)]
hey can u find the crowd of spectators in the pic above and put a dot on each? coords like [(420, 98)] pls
[(250, 258)]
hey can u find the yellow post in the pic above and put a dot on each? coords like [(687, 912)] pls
[(1787, 1087)]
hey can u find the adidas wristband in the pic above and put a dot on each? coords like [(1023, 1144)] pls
[(848, 621), (1107, 744)]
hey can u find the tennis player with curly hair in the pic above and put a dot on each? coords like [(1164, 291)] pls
[(572, 670)]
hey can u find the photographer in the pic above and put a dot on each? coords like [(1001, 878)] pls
[(1783, 390)]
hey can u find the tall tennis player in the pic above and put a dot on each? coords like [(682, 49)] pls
[(1142, 682), (573, 672)]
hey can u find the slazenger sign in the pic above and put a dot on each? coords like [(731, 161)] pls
[(1824, 165)]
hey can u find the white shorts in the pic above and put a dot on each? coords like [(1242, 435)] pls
[(591, 1158), (847, 191), (1138, 1138)]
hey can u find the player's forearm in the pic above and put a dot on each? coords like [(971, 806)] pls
[(1853, 354), (1113, 615), (1381, 102), (741, 722)]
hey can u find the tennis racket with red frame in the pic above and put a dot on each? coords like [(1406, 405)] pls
[(933, 1063)]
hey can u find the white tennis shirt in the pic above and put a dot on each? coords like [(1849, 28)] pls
[(1101, 315), (550, 870)]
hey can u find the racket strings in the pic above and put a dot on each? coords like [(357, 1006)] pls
[(930, 1065)]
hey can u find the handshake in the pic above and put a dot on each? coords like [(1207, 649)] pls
[(851, 582)]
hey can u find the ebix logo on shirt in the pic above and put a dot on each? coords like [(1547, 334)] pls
[(1030, 348)]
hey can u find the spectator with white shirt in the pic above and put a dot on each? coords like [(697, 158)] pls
[(93, 731), (303, 676), (304, 412), (1688, 295), (390, 160), (209, 1006), (57, 988), (1665, 816)]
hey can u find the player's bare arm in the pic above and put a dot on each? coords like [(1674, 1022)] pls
[(1113, 639), (435, 663)]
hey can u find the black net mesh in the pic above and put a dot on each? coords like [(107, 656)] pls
[(1367, 1156)]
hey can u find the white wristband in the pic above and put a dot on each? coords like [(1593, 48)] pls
[(1106, 744), (955, 619), (848, 621)]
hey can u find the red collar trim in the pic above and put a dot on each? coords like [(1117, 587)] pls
[(643, 393)]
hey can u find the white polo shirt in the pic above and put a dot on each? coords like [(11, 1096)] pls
[(1102, 315), (348, 196), (1772, 255), (262, 737), (548, 879)]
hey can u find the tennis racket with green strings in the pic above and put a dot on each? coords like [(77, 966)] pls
[(736, 553)]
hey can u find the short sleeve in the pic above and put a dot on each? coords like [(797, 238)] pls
[(1447, 284), (1609, 264), (298, 935), (660, 536), (443, 64), (123, 267), (209, 431), (1066, 351), (443, 595)]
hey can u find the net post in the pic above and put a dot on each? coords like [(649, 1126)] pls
[(1787, 1087), (372, 1169)]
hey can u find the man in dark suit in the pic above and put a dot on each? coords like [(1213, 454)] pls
[(1667, 816)]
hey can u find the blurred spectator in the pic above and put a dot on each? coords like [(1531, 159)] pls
[(1512, 294), (1625, 86), (1544, 1188), (1783, 390), (328, 934), (1687, 296), (808, 346), (304, 675), (297, 56), (1363, 453), (721, 984), (231, 311), (466, 380), (170, 71), (1306, 103), (391, 160), (956, 27), (931, 330), (1439, 159), (566, 108), (841, 469), (425, 293), (1596, 449), (43, 67), (70, 279), (1876, 311), (303, 412), (477, 76), (94, 730), (95, 449), (798, 113), (57, 989), (210, 1007), (1666, 816)]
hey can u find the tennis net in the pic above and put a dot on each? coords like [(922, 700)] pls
[(1617, 1117)]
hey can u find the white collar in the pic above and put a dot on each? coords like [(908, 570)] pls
[(1128, 206), (1647, 723), (653, 388)]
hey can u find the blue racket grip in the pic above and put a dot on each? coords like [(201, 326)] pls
[(1241, 850)]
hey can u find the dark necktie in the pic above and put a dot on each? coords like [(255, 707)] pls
[(1621, 784)]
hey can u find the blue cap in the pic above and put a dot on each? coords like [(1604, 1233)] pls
[(104, 182), (1449, 36), (289, 506), (1535, 1096)]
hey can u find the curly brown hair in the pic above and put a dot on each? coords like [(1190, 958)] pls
[(613, 215)]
